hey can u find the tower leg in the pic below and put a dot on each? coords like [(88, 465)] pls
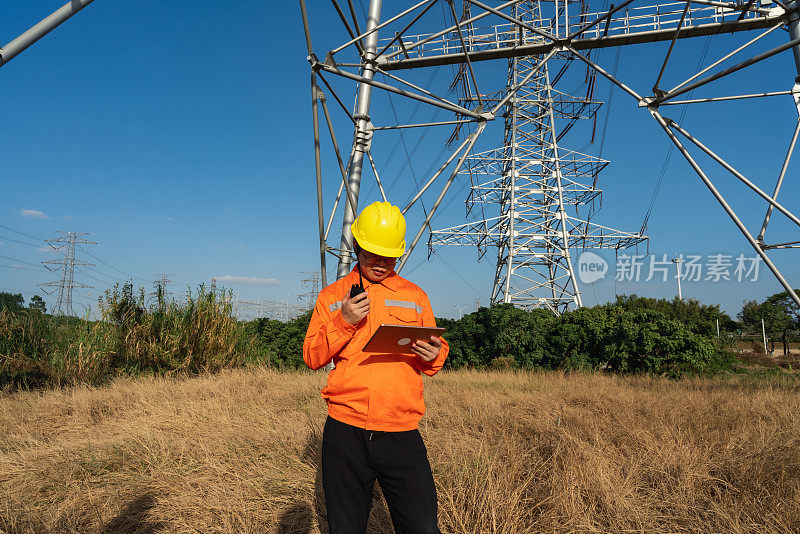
[(360, 137)]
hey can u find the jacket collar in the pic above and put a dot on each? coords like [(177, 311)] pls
[(392, 281)]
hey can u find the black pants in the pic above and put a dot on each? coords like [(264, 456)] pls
[(353, 458)]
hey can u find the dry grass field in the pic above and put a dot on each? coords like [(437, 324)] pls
[(511, 453)]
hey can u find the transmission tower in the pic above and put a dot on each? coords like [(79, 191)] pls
[(539, 194), (66, 282), (311, 286), (535, 183), (160, 286)]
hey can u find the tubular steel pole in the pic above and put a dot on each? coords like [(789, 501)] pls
[(725, 206), (671, 46), (377, 178), (306, 29), (386, 87), (794, 34), (794, 31), (435, 176), (793, 44), (360, 135), (770, 199), (10, 51), (353, 202), (677, 262), (318, 165), (780, 180), (512, 190), (376, 28)]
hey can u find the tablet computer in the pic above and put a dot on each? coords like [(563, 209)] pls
[(398, 338)]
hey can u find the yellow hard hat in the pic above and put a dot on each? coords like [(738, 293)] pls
[(381, 229)]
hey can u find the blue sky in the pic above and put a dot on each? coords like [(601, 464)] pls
[(178, 134)]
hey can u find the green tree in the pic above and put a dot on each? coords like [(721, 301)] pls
[(281, 343), (792, 312), (37, 303), (498, 331), (785, 301), (698, 317), (778, 322), (11, 301), (649, 341)]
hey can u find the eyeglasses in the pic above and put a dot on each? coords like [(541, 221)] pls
[(372, 259)]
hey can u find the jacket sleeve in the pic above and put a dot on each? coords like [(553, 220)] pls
[(326, 336), (432, 367)]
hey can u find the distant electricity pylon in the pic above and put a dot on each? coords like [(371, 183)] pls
[(67, 265), (160, 286), (311, 286)]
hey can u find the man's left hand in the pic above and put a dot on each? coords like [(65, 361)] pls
[(427, 351)]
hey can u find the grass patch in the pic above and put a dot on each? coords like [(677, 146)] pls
[(512, 452)]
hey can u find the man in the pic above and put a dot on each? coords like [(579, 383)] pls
[(374, 400)]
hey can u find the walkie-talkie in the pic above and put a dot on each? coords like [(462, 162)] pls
[(358, 288)]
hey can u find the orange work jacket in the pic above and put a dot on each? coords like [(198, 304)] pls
[(374, 391)]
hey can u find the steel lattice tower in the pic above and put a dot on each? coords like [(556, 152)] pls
[(160, 287), (67, 281), (536, 184), (542, 190), (311, 287)]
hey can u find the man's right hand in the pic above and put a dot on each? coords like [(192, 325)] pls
[(355, 309)]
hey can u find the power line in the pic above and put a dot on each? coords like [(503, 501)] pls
[(94, 278), (91, 272), (110, 277), (21, 268), (6, 238), (112, 267), (671, 146), (11, 290), (19, 260), (610, 101), (21, 233), (401, 137), (458, 274)]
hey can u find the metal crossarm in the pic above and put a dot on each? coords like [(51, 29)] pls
[(635, 25)]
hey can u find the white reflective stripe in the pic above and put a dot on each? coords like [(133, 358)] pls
[(403, 304), (335, 306)]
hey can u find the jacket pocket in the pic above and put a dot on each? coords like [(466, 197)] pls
[(403, 316)]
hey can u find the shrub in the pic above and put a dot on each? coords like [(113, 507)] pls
[(24, 347), (277, 343), (633, 335), (201, 335)]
